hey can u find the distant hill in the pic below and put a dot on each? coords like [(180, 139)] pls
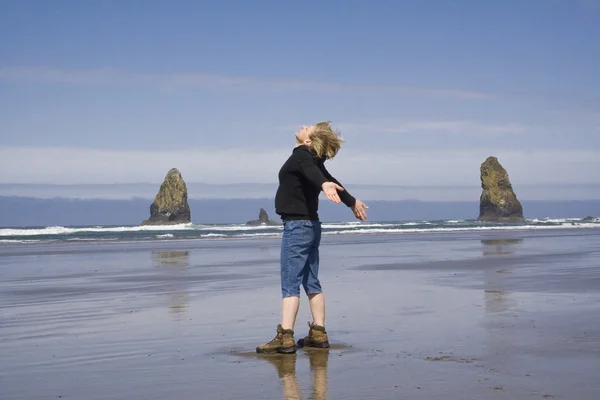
[(204, 191), (27, 211)]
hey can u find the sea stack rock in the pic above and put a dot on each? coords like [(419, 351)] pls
[(498, 202), (170, 205), (263, 219)]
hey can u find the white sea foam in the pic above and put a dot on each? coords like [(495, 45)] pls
[(398, 229), (76, 239), (464, 229), (342, 225), (13, 241), (345, 229), (229, 228), (239, 230), (553, 220), (61, 230), (268, 234)]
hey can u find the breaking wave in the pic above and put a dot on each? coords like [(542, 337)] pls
[(11, 236)]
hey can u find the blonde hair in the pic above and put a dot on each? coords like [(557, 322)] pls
[(325, 141)]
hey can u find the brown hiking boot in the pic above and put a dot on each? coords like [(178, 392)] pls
[(317, 337), (283, 342)]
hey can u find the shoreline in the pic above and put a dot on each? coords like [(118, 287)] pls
[(459, 315), (410, 233)]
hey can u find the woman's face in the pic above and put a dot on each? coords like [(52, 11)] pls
[(303, 135)]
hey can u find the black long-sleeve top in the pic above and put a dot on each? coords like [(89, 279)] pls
[(300, 180)]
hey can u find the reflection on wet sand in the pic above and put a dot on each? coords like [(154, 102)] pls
[(178, 302), (497, 299), (286, 370), (499, 246), (171, 258), (498, 302), (318, 367), (178, 299)]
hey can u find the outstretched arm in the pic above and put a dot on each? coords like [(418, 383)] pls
[(346, 197), (311, 171), (358, 207)]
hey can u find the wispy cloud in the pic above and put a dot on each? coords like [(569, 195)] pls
[(390, 167), (111, 76)]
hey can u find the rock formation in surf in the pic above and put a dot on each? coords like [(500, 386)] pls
[(263, 218), (170, 205), (498, 202)]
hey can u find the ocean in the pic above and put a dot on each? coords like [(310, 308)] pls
[(131, 233)]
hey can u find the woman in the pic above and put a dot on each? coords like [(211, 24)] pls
[(301, 179)]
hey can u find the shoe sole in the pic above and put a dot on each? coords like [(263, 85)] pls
[(303, 343), (270, 351), (287, 350)]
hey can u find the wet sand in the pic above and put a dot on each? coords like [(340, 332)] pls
[(454, 316)]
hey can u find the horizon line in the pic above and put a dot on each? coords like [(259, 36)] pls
[(373, 185), (134, 198)]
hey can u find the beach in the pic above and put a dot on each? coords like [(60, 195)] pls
[(481, 314)]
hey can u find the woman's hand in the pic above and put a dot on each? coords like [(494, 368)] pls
[(330, 189), (359, 210)]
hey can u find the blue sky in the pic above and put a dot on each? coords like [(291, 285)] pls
[(423, 91)]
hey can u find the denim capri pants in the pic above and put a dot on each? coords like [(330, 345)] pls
[(300, 257)]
